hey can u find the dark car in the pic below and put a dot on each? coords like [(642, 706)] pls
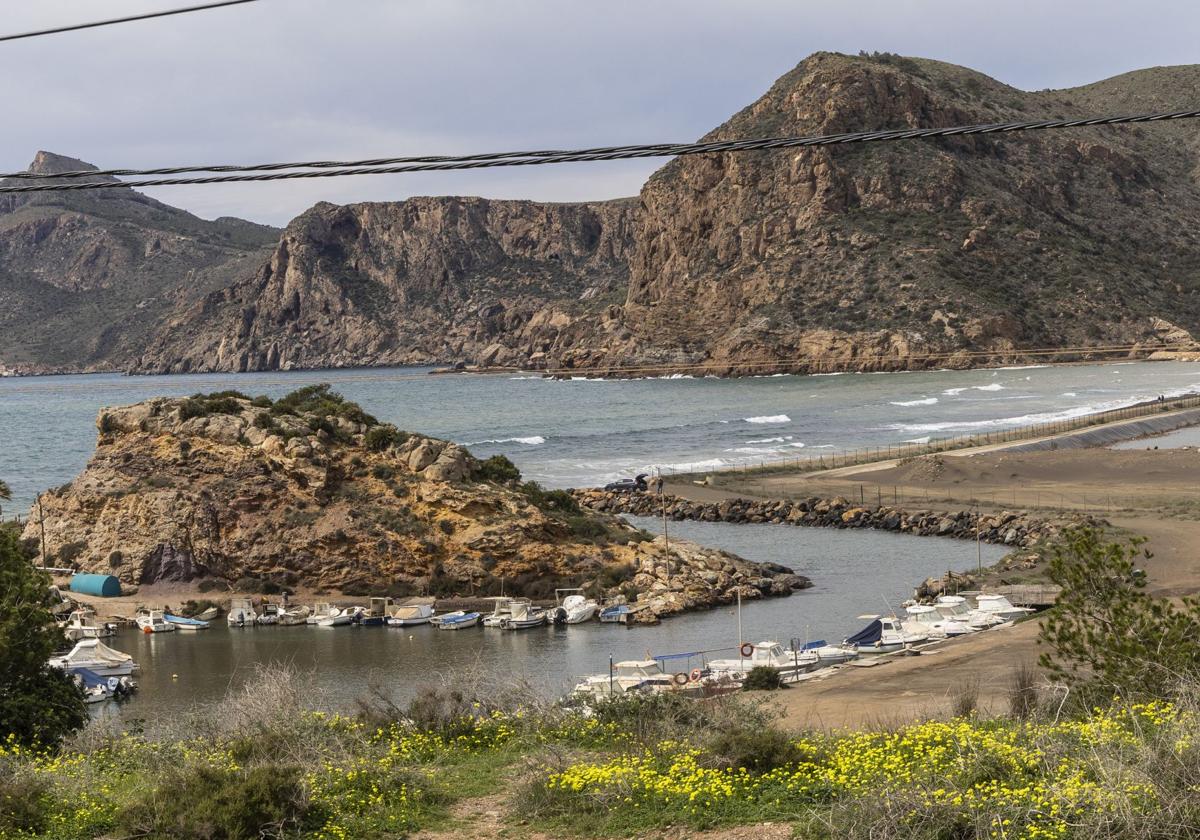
[(628, 485)]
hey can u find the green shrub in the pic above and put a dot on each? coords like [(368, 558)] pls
[(212, 585), (69, 553), (382, 471), (759, 748), (379, 438), (555, 500), (207, 803), (264, 421), (762, 678), (498, 469), (322, 402), (446, 525), (23, 806), (261, 402)]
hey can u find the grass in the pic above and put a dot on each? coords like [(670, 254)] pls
[(263, 764)]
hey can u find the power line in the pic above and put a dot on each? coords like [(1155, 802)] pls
[(147, 16), (491, 160)]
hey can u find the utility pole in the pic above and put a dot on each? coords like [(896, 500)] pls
[(42, 526), (662, 499)]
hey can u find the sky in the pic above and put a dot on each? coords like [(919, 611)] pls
[(281, 80)]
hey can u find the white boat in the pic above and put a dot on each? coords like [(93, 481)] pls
[(459, 621), (410, 616), (81, 624), (577, 609), (523, 616), (1001, 607), (97, 657), (210, 614), (919, 618), (768, 655), (154, 621), (290, 618), (98, 689), (241, 613), (955, 607), (269, 614), (437, 620), (336, 618), (377, 613), (626, 677), (885, 634), (187, 624), (500, 611), (831, 654), (321, 611), (615, 614)]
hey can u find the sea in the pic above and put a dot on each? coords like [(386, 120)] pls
[(576, 433)]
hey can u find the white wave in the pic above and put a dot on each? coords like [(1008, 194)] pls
[(926, 401), (823, 446), (772, 440), (753, 450), (518, 378), (533, 440), (953, 392), (769, 418), (1069, 394), (995, 386), (918, 440), (835, 373), (797, 445), (1023, 367)]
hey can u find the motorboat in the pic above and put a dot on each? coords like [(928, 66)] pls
[(336, 618), (575, 609), (269, 615), (96, 656), (241, 613), (293, 617), (154, 621), (181, 623), (459, 621), (500, 611), (437, 620), (210, 614), (885, 634), (1001, 607), (919, 618), (831, 654), (410, 615), (643, 675), (955, 607), (81, 624), (615, 614), (767, 655), (321, 611), (524, 615), (98, 689), (376, 613)]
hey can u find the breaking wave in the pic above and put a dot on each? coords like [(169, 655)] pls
[(533, 440), (907, 403), (769, 418)]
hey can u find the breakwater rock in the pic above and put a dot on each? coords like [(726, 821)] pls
[(1019, 528)]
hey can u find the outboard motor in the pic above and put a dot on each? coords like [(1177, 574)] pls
[(558, 616)]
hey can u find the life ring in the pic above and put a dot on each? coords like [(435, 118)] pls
[(696, 674), (680, 678), (746, 649)]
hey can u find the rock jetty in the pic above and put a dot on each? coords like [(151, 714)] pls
[(1018, 529), (311, 491)]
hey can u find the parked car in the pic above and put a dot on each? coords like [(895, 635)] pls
[(628, 485)]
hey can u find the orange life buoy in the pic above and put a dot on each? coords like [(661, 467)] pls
[(681, 678), (695, 675), (746, 649)]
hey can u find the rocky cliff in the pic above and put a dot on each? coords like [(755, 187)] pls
[(424, 280), (86, 277), (856, 257), (311, 490)]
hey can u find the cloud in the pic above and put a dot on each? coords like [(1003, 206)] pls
[(304, 79)]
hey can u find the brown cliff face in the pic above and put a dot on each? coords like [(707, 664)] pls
[(85, 277), (428, 279), (312, 491)]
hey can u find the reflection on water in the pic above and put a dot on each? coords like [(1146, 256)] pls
[(854, 572)]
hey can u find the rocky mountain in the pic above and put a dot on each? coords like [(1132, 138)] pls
[(310, 490), (423, 280), (86, 277)]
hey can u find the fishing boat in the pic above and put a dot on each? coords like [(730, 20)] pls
[(321, 611), (523, 616), (293, 617), (81, 624), (616, 614), (955, 607), (181, 623), (1001, 607), (98, 689), (459, 621), (96, 656), (767, 655), (640, 675), (919, 618), (210, 614), (501, 610), (437, 620), (336, 618), (241, 613), (410, 615), (377, 613), (884, 635), (269, 614), (574, 609), (831, 654), (153, 621)]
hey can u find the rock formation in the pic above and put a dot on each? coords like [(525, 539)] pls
[(310, 490)]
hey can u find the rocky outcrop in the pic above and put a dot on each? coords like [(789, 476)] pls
[(425, 280), (312, 491), (86, 277), (1018, 529)]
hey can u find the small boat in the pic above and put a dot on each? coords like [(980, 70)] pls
[(523, 616), (437, 620), (154, 621), (321, 611), (293, 617), (616, 614), (410, 616), (98, 689), (81, 624), (500, 611), (337, 618), (376, 614), (1001, 607), (210, 614), (241, 613), (95, 656), (768, 655), (885, 635), (831, 654), (919, 618), (458, 621), (575, 609), (182, 623), (269, 615), (955, 607), (649, 676)]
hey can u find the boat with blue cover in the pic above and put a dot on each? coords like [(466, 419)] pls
[(183, 623), (459, 621), (616, 614)]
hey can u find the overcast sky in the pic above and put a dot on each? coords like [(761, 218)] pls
[(313, 79)]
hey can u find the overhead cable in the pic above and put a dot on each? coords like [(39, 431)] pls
[(491, 160), (112, 21)]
